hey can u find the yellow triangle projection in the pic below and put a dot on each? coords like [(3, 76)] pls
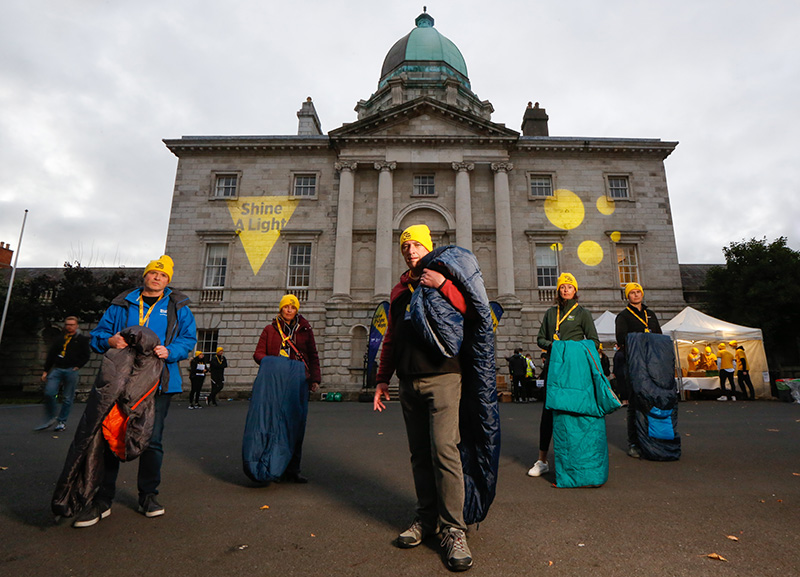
[(259, 221)]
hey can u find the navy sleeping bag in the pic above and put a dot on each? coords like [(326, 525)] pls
[(651, 375), (276, 419)]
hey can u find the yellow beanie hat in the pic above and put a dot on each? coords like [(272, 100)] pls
[(733, 344), (633, 286), (695, 351), (164, 264), (420, 233), (219, 350), (708, 349), (289, 300), (721, 346), (566, 278), (198, 353)]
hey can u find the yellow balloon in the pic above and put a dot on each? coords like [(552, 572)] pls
[(590, 253), (606, 206), (556, 246), (564, 209), (615, 236)]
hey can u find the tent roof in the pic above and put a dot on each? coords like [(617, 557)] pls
[(606, 327), (692, 325)]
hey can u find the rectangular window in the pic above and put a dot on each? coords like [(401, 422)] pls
[(423, 185), (207, 342), (627, 264), (546, 266), (226, 185), (541, 185), (216, 266), (305, 185), (299, 266), (618, 187)]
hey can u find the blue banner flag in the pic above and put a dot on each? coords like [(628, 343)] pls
[(377, 330), (497, 313)]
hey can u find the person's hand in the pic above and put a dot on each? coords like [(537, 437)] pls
[(381, 390), (161, 351), (44, 376), (431, 278), (117, 342), (314, 387)]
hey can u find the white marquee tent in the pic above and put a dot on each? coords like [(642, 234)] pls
[(606, 327), (691, 328)]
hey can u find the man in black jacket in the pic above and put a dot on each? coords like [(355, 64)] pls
[(518, 368), (64, 359)]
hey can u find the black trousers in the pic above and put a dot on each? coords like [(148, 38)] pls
[(197, 385), (744, 379), (216, 387)]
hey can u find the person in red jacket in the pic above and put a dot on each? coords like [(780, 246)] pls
[(290, 335)]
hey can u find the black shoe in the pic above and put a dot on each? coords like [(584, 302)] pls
[(633, 451), (294, 478), (149, 507), (92, 514)]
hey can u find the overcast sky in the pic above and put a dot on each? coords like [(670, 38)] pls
[(88, 88)]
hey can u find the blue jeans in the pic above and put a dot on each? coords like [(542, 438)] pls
[(55, 377), (149, 461)]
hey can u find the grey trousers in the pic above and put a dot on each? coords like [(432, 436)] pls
[(430, 409)]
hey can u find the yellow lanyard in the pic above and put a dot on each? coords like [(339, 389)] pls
[(646, 320), (67, 339), (560, 319), (284, 340), (143, 318)]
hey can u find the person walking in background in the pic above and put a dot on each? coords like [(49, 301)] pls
[(517, 368), (197, 376), (64, 359), (743, 373), (217, 368), (727, 365)]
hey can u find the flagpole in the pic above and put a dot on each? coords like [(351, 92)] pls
[(13, 274)]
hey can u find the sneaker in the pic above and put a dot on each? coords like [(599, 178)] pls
[(722, 398), (191, 407), (92, 514), (633, 451), (456, 550), (46, 425), (733, 398), (539, 468), (60, 426), (412, 536), (149, 507)]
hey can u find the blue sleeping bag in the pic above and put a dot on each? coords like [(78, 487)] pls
[(276, 419), (651, 375)]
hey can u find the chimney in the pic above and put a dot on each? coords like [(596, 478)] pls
[(5, 255), (309, 124), (534, 121)]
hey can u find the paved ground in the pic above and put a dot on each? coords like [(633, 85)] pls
[(739, 476)]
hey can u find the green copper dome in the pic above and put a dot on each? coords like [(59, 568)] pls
[(424, 50)]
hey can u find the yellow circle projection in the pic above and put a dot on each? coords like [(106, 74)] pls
[(590, 253), (564, 209), (556, 246), (606, 206), (615, 236)]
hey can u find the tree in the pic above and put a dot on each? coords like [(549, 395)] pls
[(760, 287)]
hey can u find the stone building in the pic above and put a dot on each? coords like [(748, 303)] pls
[(319, 215)]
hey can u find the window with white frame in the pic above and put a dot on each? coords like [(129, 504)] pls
[(299, 270), (207, 341), (424, 185), (618, 187), (305, 185), (541, 185), (216, 265), (226, 185), (546, 266), (627, 264)]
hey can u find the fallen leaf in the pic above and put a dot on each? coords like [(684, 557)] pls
[(242, 547), (733, 537), (774, 430), (312, 534), (780, 500), (716, 556), (3, 468), (264, 507), (55, 436), (581, 545), (549, 563), (379, 434), (761, 501), (688, 434), (796, 474)]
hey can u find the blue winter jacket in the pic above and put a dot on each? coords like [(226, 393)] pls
[(171, 320), (472, 339)]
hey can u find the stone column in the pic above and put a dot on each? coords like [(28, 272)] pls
[(383, 229), (505, 248), (343, 251), (463, 204)]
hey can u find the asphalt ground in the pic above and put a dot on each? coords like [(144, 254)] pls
[(739, 476)]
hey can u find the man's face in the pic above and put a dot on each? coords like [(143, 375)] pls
[(71, 326), (412, 252), (635, 297), (155, 281), (567, 291)]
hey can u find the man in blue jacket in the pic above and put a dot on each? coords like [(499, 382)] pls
[(165, 312)]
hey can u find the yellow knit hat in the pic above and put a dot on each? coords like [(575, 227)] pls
[(733, 344), (633, 286), (708, 349), (721, 346), (198, 353), (566, 278), (420, 233), (289, 300), (219, 350), (164, 264), (695, 351)]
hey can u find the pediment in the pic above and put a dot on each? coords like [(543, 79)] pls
[(423, 118)]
